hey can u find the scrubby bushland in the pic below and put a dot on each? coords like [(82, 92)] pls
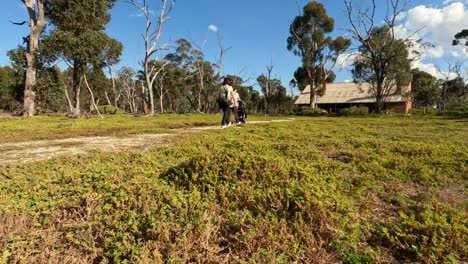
[(321, 190)]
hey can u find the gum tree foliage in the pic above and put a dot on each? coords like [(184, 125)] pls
[(47, 85), (426, 92), (200, 77), (79, 39), (18, 65), (301, 80), (460, 37), (278, 100), (309, 39), (454, 92), (9, 89)]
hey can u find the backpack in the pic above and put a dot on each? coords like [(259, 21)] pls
[(223, 96)]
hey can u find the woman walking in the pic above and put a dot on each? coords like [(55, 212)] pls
[(225, 99)]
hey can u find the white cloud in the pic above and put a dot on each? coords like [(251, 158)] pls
[(213, 28), (435, 25), (455, 53), (433, 70), (432, 30), (436, 52), (346, 59), (446, 2)]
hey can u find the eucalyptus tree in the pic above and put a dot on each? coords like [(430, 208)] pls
[(276, 93), (301, 80), (309, 39), (200, 74), (18, 64), (78, 38), (426, 92), (37, 24), (9, 88), (127, 82), (383, 59)]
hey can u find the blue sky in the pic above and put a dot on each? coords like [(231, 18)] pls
[(256, 30)]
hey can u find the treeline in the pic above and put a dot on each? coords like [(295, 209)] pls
[(186, 83), (430, 93), (182, 81)]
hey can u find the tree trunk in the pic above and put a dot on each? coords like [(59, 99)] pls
[(379, 98), (149, 84), (93, 103), (37, 25), (144, 106), (76, 90), (114, 89), (313, 95), (107, 98), (70, 105)]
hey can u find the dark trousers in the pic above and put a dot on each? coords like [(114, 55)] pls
[(236, 114), (226, 114)]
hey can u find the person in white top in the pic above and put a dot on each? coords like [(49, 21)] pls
[(235, 104)]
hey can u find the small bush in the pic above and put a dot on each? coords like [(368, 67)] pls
[(458, 110), (355, 111), (422, 111), (307, 111), (109, 110)]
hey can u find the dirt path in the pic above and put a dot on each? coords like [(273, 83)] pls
[(45, 149)]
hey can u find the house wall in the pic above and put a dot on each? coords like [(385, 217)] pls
[(400, 107)]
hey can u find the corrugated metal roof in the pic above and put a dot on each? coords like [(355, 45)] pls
[(349, 92)]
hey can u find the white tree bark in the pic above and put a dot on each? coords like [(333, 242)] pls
[(151, 40), (37, 24)]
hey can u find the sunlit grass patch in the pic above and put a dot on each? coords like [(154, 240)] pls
[(58, 127)]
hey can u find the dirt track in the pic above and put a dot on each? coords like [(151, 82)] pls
[(46, 149)]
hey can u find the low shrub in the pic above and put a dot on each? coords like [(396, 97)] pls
[(424, 111), (355, 111), (308, 111), (108, 110)]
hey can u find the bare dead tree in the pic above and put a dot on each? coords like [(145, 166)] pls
[(151, 40), (222, 52), (268, 85), (37, 24)]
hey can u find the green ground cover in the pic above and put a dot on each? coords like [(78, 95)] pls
[(58, 127), (314, 190)]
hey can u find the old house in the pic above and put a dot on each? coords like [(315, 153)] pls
[(345, 95)]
